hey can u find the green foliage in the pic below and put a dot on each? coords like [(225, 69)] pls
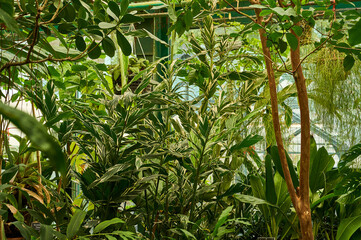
[(162, 164), (37, 134)]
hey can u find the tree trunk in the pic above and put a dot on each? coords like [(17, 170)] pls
[(304, 213), (299, 198)]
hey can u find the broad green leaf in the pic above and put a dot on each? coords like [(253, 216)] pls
[(9, 173), (94, 51), (348, 227), (86, 6), (270, 185), (354, 34), (187, 233), (124, 44), (282, 46), (298, 30), (288, 115), (101, 226), (79, 68), (80, 43), (108, 46), (26, 231), (324, 198), (7, 6), (124, 7), (111, 14), (292, 41), (222, 219), (114, 8), (273, 151), (188, 19), (130, 18), (69, 13), (265, 12), (110, 237), (46, 232), (251, 199), (247, 142), (279, 11), (105, 25), (75, 223), (290, 12), (37, 134), (348, 62), (66, 28), (319, 164), (350, 155)]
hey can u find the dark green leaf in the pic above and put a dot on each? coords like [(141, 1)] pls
[(66, 28), (94, 51), (80, 43), (188, 19), (222, 219), (79, 68), (348, 62), (320, 163), (70, 13), (124, 44), (129, 18), (247, 142), (298, 30), (124, 7), (101, 226), (251, 199), (108, 46), (292, 41), (114, 8), (354, 34), (273, 151), (270, 185), (46, 232), (75, 223)]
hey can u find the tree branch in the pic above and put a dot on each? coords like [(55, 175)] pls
[(239, 12)]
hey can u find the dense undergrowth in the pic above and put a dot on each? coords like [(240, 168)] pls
[(188, 153)]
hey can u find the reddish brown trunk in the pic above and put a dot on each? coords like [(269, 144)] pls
[(300, 199), (304, 213), (274, 105)]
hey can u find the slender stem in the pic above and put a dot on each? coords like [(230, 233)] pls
[(274, 105), (37, 152), (304, 212), (241, 13), (196, 180)]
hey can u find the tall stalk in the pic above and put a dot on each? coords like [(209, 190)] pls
[(299, 198)]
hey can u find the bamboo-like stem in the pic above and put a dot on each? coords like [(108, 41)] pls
[(37, 152)]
